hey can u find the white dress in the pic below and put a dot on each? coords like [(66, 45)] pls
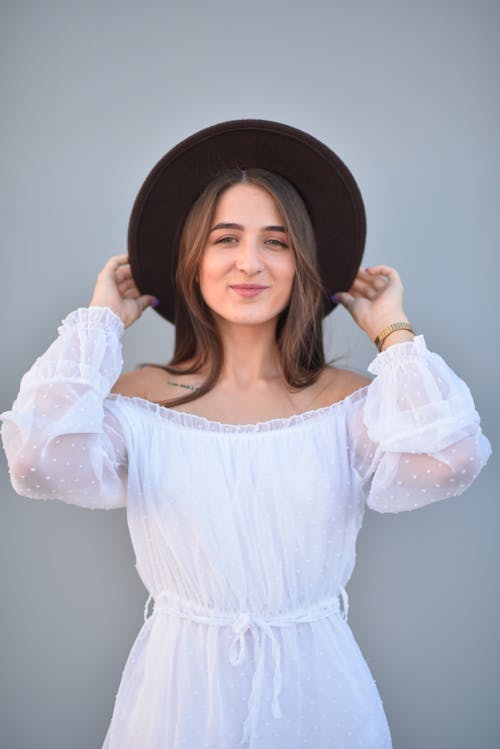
[(244, 535)]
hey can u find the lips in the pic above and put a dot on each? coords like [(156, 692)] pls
[(247, 286), (248, 290)]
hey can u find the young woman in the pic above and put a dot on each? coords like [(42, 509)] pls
[(247, 463)]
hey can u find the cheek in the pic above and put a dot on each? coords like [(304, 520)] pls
[(203, 272), (212, 279), (285, 269), (211, 266)]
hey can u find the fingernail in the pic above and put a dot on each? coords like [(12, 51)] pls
[(335, 298), (155, 302)]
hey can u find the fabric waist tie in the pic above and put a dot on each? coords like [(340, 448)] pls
[(259, 626)]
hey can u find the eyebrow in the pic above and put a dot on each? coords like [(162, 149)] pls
[(239, 226)]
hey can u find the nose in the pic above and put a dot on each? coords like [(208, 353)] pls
[(248, 256)]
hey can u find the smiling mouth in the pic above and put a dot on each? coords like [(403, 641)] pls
[(248, 290)]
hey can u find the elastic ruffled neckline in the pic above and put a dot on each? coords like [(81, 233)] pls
[(194, 421)]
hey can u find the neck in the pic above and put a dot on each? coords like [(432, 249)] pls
[(251, 355)]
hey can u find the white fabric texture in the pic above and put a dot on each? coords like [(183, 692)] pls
[(244, 534)]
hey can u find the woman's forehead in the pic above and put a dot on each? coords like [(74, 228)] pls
[(245, 198)]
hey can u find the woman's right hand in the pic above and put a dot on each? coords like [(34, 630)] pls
[(115, 288)]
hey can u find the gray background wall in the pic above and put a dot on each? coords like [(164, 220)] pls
[(407, 93)]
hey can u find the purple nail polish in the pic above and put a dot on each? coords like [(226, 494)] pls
[(155, 302), (335, 298)]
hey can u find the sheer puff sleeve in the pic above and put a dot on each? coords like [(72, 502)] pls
[(62, 439), (415, 437)]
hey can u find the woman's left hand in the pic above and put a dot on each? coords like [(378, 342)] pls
[(375, 299)]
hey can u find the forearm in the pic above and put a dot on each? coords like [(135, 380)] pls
[(416, 438), (60, 440)]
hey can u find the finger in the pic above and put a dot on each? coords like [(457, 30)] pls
[(131, 294), (115, 262), (375, 281), (363, 289), (145, 301), (380, 282), (355, 290), (345, 298), (126, 286), (385, 270), (363, 274), (123, 272), (150, 300), (366, 290), (375, 278)]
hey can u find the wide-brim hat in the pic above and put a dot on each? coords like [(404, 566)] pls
[(323, 181)]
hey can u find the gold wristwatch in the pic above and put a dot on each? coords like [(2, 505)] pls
[(391, 329)]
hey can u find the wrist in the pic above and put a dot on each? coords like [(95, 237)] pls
[(374, 327), (397, 336), (106, 305), (395, 332)]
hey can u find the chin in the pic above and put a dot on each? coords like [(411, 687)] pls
[(248, 311), (248, 316)]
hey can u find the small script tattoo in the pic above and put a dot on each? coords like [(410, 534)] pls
[(182, 385)]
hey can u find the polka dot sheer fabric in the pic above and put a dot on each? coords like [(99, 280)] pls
[(244, 534)]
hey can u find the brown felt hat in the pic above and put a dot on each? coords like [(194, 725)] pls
[(325, 184)]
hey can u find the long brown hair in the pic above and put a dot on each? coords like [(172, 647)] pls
[(299, 326)]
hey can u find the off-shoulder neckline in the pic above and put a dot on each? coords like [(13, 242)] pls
[(194, 421)]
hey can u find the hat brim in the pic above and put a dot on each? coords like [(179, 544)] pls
[(324, 182)]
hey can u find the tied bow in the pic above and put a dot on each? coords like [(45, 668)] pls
[(259, 628)]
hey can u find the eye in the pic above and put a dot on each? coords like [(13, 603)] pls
[(222, 240), (278, 242)]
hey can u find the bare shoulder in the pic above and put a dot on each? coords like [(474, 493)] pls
[(339, 383), (141, 383)]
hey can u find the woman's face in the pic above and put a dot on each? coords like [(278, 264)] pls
[(254, 250)]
